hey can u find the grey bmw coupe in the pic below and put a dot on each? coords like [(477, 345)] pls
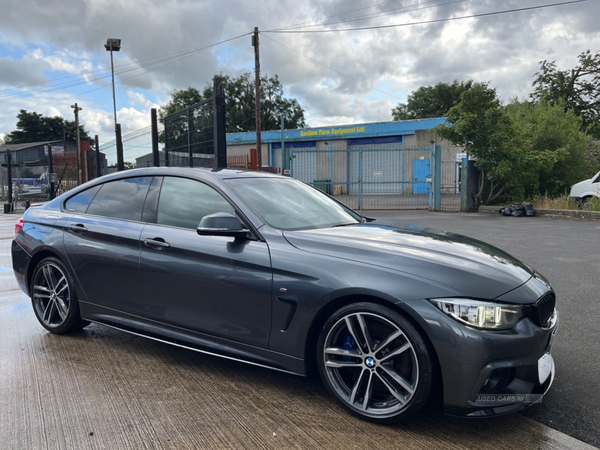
[(267, 270)]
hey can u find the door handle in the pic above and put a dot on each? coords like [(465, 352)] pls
[(157, 243), (78, 228)]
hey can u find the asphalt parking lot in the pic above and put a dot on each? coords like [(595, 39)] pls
[(103, 388)]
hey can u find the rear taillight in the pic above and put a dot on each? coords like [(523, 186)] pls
[(19, 225)]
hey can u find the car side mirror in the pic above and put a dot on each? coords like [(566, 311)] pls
[(221, 224)]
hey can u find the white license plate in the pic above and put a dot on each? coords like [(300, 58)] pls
[(545, 367)]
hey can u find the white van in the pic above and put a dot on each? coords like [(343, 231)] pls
[(586, 189)]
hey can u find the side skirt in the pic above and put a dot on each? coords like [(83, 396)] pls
[(190, 340)]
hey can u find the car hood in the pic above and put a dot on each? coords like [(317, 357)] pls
[(584, 183), (472, 267)]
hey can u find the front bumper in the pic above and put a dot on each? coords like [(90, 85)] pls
[(489, 373), (520, 394)]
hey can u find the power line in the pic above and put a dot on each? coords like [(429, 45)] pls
[(448, 19), (330, 68), (158, 59), (146, 71), (391, 12), (335, 15)]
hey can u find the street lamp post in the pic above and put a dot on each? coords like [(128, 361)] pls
[(113, 45)]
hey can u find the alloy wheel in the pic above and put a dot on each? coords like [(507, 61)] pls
[(51, 294), (371, 364)]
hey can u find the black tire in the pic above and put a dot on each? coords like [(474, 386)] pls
[(384, 375), (54, 297)]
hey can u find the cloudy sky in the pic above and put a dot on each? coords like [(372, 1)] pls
[(52, 52)]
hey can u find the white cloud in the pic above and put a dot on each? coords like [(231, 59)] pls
[(137, 98), (503, 49)]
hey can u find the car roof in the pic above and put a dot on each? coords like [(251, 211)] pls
[(199, 173)]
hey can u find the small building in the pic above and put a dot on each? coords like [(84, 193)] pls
[(32, 159)]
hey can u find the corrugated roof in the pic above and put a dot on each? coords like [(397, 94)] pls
[(16, 147)]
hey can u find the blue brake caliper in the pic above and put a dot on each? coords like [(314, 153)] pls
[(348, 344)]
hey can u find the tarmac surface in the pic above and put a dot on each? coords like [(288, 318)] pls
[(103, 388)]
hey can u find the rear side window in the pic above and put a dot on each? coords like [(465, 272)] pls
[(184, 202), (80, 202), (121, 199)]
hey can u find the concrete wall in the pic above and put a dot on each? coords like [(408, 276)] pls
[(449, 151)]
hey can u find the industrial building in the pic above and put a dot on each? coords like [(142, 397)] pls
[(403, 134)]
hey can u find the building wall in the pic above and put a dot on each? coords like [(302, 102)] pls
[(422, 138), (244, 150), (238, 143)]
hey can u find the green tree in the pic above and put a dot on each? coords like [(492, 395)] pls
[(592, 159), (126, 164), (505, 160), (550, 130), (577, 89), (240, 103), (180, 99), (431, 101), (34, 127)]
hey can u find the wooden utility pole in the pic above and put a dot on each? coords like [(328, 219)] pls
[(255, 44), (77, 109)]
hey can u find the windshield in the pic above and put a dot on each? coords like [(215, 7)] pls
[(289, 204)]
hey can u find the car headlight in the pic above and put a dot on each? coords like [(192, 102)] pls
[(485, 315)]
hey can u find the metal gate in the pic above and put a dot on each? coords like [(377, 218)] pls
[(368, 177), (450, 185)]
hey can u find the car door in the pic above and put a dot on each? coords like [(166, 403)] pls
[(102, 242), (211, 284)]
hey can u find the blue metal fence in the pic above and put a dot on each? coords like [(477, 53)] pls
[(363, 177), (380, 177)]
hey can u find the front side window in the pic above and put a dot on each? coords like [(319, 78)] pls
[(79, 203), (184, 202), (121, 199), (289, 204)]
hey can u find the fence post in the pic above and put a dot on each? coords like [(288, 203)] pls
[(330, 172), (437, 178), (347, 171), (154, 123), (283, 161), (9, 167), (190, 124), (220, 137), (360, 154), (50, 170), (98, 161), (402, 169), (120, 162), (463, 185), (166, 150)]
